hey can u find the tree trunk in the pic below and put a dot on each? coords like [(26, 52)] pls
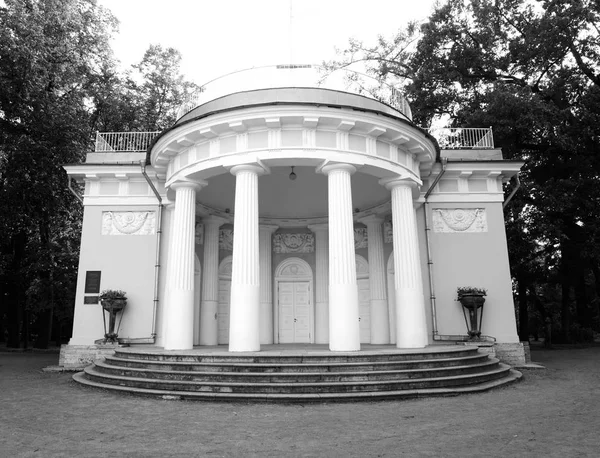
[(583, 310), (44, 328), (15, 290), (45, 274), (596, 272), (523, 310)]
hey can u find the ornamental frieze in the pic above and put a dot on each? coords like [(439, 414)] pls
[(360, 237), (459, 220), (128, 223), (226, 239), (387, 232), (199, 234), (293, 243)]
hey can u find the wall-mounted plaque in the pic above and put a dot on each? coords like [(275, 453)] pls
[(92, 282), (90, 299)]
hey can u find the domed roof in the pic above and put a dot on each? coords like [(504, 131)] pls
[(298, 76)]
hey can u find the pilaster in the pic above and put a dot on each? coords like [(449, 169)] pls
[(380, 329), (209, 328), (321, 232), (266, 283)]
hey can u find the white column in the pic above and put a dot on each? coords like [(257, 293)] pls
[(411, 325), (179, 316), (344, 330), (209, 305), (380, 328), (266, 283), (321, 282), (244, 311)]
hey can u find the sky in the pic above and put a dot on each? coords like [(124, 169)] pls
[(220, 36)]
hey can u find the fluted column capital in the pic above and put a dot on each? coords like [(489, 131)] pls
[(402, 181), (258, 168), (329, 168), (268, 228), (316, 228), (196, 185), (372, 220), (214, 220)]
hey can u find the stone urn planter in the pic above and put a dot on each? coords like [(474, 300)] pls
[(113, 301), (472, 300)]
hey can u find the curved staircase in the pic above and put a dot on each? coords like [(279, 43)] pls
[(297, 375)]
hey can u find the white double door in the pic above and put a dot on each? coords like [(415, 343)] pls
[(294, 299)]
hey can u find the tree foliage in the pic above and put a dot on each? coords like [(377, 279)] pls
[(531, 70), (59, 83)]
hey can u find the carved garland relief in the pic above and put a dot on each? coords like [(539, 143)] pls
[(199, 234), (226, 239), (128, 223), (387, 232), (360, 237), (293, 243), (459, 220)]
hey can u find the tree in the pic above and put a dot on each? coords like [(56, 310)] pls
[(59, 83), (50, 52), (530, 69)]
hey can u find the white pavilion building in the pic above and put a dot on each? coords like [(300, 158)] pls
[(286, 206)]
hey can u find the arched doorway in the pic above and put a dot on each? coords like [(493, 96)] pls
[(224, 298), (294, 312), (391, 288), (364, 298)]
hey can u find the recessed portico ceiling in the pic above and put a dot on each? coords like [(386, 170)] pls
[(305, 197)]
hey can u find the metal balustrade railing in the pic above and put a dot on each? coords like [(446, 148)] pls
[(123, 142), (448, 138), (463, 138)]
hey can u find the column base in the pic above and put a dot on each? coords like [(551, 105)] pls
[(411, 325), (179, 332), (380, 325), (244, 318), (321, 323), (344, 328), (209, 330), (266, 323)]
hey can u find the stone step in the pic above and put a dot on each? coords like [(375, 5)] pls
[(301, 374), (282, 358), (486, 375), (511, 376), (192, 366)]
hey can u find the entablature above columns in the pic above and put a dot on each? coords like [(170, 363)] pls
[(476, 181), (298, 132), (118, 184)]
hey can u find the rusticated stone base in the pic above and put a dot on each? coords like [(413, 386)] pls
[(514, 354), (76, 357)]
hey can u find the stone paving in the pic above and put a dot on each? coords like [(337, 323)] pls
[(553, 412)]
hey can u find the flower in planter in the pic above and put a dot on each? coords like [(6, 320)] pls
[(469, 291), (111, 294)]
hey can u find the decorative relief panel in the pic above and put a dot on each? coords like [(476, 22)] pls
[(360, 237), (294, 270), (293, 243), (128, 223), (387, 232), (199, 234), (226, 239), (459, 220)]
